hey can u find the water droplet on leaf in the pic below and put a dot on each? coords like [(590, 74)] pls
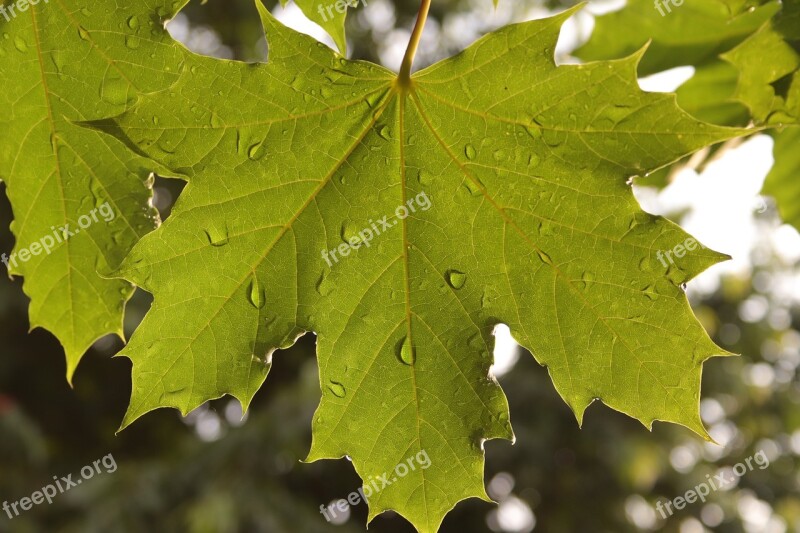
[(473, 186), (337, 389), (350, 233), (385, 133), (407, 352), (470, 152), (20, 44), (650, 292), (132, 42), (255, 152), (677, 276), (456, 279), (323, 285), (114, 90), (255, 293), (217, 237), (544, 257)]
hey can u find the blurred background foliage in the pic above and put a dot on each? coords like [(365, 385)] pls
[(217, 472)]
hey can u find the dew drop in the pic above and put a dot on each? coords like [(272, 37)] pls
[(172, 397), (98, 192), (407, 353), (169, 140), (473, 187), (323, 285), (255, 152), (424, 177), (350, 233), (373, 100), (677, 276), (545, 227), (470, 152), (554, 138), (256, 294), (58, 60), (216, 123), (114, 90), (650, 292), (544, 257), (337, 389), (534, 130), (640, 222), (217, 237), (82, 33), (20, 44), (456, 278), (133, 22), (385, 133), (132, 42)]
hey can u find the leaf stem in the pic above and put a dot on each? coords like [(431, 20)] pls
[(405, 70)]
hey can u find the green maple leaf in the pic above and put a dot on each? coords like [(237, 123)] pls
[(688, 34), (771, 89), (753, 74), (726, 41), (782, 182), (63, 61), (516, 172), (710, 95)]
